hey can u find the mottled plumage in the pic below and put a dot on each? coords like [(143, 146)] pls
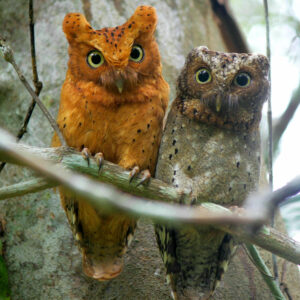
[(113, 101), (211, 146)]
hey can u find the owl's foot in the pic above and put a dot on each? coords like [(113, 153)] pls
[(145, 175), (99, 160), (86, 154), (135, 170)]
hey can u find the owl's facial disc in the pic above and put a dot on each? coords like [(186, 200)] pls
[(136, 55), (226, 97), (112, 76)]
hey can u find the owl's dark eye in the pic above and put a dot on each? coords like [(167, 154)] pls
[(137, 53), (203, 76), (95, 59), (242, 80)]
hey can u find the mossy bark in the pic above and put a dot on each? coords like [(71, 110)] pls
[(42, 259)]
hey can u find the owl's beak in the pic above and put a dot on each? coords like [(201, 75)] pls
[(119, 84), (218, 103)]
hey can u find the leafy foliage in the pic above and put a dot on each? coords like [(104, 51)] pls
[(4, 285)]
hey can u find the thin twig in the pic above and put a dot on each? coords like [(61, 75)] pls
[(36, 81), (283, 285), (281, 124), (38, 84), (270, 141), (285, 289), (270, 127), (266, 203), (25, 187), (264, 271), (8, 55), (106, 197)]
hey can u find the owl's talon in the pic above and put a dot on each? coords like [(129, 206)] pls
[(86, 154), (145, 177), (99, 160), (133, 173)]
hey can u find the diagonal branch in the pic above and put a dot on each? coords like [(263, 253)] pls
[(281, 124), (107, 197), (37, 84), (8, 55), (267, 202), (110, 173), (270, 125)]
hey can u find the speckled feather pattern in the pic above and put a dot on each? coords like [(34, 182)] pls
[(240, 107), (214, 154), (125, 126)]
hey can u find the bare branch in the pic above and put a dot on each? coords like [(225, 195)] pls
[(267, 202), (282, 123), (101, 195), (38, 84), (25, 187), (271, 240), (8, 55), (270, 126), (107, 197), (230, 31), (110, 173)]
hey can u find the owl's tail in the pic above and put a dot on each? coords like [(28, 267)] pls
[(101, 238), (102, 268), (105, 245), (195, 260)]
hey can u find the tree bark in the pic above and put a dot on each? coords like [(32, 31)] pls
[(42, 259)]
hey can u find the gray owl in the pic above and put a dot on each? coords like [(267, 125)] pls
[(211, 146)]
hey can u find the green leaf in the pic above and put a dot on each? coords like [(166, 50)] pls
[(292, 200), (4, 285)]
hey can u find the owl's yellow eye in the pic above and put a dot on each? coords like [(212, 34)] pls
[(137, 53), (203, 76), (242, 79), (95, 59)]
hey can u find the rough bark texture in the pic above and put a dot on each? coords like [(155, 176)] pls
[(41, 256)]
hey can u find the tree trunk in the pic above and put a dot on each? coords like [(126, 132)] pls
[(41, 256)]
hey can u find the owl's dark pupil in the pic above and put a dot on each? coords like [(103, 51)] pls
[(96, 58), (203, 76), (242, 80), (135, 53)]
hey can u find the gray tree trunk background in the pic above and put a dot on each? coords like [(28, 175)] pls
[(41, 256)]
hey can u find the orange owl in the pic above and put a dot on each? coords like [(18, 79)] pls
[(113, 101)]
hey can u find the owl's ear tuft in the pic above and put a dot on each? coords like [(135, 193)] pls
[(144, 19), (75, 24), (263, 63)]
